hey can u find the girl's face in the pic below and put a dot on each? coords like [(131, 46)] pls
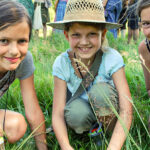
[(145, 20), (14, 42), (84, 40)]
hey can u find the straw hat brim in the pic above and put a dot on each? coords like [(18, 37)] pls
[(61, 24)]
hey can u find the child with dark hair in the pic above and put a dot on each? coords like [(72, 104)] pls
[(17, 62)]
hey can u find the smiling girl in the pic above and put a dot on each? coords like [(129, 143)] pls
[(16, 62), (143, 10), (85, 28)]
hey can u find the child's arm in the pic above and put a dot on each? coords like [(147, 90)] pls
[(33, 111), (144, 55), (58, 121), (125, 111)]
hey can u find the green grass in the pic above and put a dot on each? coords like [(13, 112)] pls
[(44, 53)]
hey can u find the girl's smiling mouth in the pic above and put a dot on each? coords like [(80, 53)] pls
[(85, 49), (11, 59)]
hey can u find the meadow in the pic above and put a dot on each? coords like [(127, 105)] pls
[(44, 53)]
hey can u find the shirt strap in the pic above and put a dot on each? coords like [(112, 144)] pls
[(89, 77), (147, 42)]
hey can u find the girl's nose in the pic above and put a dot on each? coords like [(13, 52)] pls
[(13, 49), (84, 41)]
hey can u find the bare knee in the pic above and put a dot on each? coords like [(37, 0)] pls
[(15, 128)]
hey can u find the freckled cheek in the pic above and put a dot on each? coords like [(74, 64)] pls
[(3, 50), (73, 43), (97, 42)]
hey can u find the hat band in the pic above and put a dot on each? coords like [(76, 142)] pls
[(84, 16)]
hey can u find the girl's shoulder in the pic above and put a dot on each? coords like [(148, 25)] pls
[(28, 60), (63, 59), (26, 67), (112, 57), (62, 67), (111, 53), (111, 61)]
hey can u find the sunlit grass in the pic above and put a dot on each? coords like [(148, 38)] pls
[(44, 53)]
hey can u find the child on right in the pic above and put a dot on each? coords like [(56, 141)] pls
[(143, 10)]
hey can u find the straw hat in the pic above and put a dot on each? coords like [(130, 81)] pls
[(90, 11)]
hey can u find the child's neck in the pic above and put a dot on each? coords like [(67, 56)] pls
[(87, 62), (81, 66)]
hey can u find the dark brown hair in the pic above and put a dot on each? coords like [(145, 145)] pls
[(142, 4), (11, 13)]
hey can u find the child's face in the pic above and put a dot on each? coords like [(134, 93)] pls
[(13, 46), (84, 40), (145, 20)]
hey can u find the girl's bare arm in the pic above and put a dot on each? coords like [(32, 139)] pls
[(33, 112), (125, 111), (58, 121)]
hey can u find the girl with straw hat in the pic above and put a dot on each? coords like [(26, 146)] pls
[(94, 75)]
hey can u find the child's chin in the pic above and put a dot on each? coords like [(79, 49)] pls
[(13, 67)]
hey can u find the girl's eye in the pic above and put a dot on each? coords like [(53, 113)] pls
[(22, 41), (3, 41), (92, 34), (75, 35), (145, 24)]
